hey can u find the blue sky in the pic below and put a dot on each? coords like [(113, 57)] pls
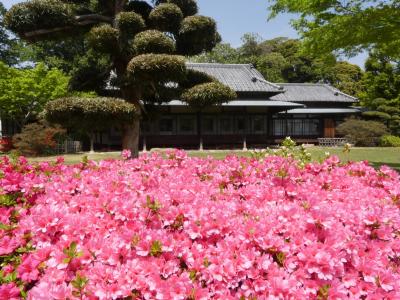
[(237, 17)]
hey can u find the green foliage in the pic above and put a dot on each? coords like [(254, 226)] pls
[(79, 283), (222, 53), (347, 78), (197, 34), (157, 67), (376, 115), (288, 149), (194, 77), (156, 248), (38, 139), (9, 53), (362, 133), (38, 14), (390, 141), (104, 39), (207, 94), (153, 41), (188, 7), (130, 23), (166, 17), (90, 72), (23, 93), (347, 26), (381, 79), (89, 114), (272, 66)]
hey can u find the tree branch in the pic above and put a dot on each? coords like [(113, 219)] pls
[(93, 17), (82, 20)]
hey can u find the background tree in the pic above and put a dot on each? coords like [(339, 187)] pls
[(24, 92), (344, 26), (143, 42), (282, 60), (382, 91), (89, 115), (8, 45)]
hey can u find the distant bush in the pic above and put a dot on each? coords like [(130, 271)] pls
[(390, 141), (362, 133), (38, 139)]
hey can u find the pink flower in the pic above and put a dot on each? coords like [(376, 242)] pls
[(9, 291), (27, 270), (126, 154)]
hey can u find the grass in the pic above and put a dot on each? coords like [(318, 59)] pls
[(376, 156)]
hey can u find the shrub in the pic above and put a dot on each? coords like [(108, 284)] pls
[(130, 23), (38, 139), (153, 41), (362, 133), (173, 227), (166, 17), (6, 144), (390, 141), (196, 34), (38, 14), (206, 94), (157, 67), (188, 7), (103, 38)]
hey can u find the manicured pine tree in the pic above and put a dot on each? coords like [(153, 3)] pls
[(145, 44)]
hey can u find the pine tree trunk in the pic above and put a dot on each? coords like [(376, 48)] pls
[(131, 132), (130, 138)]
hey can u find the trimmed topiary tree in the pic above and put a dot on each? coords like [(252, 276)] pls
[(202, 91), (143, 42), (361, 132), (88, 115)]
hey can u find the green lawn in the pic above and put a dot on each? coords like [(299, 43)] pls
[(376, 156)]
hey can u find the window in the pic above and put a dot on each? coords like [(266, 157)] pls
[(296, 127), (225, 124), (145, 127), (240, 125), (166, 126), (258, 125), (279, 127), (187, 124), (208, 125)]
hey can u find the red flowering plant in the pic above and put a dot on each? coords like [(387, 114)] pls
[(5, 144), (174, 227)]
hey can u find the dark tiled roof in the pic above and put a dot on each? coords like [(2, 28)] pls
[(312, 92), (239, 77)]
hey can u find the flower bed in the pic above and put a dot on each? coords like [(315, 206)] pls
[(189, 228)]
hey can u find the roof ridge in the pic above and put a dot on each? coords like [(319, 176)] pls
[(218, 64), (301, 83), (260, 77), (332, 88)]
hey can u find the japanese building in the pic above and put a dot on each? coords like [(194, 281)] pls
[(263, 113)]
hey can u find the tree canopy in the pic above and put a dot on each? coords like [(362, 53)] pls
[(24, 92), (88, 115), (143, 43), (282, 60), (8, 45), (347, 27)]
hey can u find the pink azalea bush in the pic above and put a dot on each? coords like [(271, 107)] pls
[(187, 228)]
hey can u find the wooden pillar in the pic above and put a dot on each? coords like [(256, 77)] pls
[(199, 131), (286, 124)]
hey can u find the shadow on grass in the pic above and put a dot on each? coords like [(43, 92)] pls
[(377, 165)]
